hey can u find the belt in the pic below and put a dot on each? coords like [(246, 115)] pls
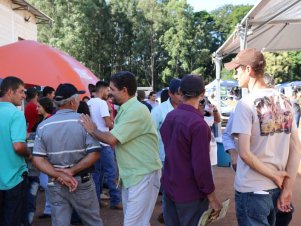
[(84, 177)]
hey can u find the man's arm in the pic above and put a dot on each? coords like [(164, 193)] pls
[(229, 143), (285, 198), (108, 122), (21, 149), (90, 127), (83, 164), (251, 160)]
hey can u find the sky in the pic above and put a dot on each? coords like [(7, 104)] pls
[(210, 5)]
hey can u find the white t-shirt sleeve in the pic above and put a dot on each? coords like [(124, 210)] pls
[(243, 119), (104, 109)]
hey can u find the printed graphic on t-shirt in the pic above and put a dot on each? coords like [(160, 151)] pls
[(274, 114)]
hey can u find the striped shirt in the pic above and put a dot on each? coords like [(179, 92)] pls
[(63, 140)]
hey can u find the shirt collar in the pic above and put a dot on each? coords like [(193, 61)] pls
[(188, 107), (128, 103), (63, 111)]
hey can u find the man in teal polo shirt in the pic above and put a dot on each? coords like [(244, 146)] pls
[(13, 150), (135, 138)]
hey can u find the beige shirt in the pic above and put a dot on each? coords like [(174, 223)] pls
[(267, 116)]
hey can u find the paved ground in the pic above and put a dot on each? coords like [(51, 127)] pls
[(224, 177)]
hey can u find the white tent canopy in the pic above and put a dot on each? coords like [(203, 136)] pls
[(271, 25), (225, 83)]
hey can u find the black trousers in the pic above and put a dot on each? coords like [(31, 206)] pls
[(12, 204)]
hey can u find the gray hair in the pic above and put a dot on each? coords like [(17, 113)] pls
[(65, 101), (269, 80)]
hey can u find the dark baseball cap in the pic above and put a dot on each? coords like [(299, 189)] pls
[(250, 56), (66, 90), (192, 85), (174, 85)]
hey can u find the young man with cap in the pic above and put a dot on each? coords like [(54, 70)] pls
[(13, 149), (268, 145), (66, 153), (135, 139), (187, 178), (158, 115)]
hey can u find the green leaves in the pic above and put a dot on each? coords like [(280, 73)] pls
[(156, 40)]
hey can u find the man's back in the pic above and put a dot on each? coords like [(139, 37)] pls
[(266, 116), (63, 138), (186, 138), (12, 127)]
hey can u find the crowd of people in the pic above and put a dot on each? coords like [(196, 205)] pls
[(139, 148)]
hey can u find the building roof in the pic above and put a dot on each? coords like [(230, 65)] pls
[(24, 5)]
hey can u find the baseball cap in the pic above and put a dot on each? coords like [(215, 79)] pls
[(174, 85), (66, 90), (192, 85), (250, 56)]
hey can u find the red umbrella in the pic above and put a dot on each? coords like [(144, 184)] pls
[(42, 65)]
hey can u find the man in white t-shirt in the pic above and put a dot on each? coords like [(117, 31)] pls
[(268, 143), (100, 115)]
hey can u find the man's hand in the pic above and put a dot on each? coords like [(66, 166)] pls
[(68, 181), (284, 200), (87, 123), (234, 155), (279, 177), (215, 205)]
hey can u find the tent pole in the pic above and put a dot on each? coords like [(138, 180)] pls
[(218, 65), (242, 31)]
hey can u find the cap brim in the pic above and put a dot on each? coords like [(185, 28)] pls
[(81, 92), (231, 65)]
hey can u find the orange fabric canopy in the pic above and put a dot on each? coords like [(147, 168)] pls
[(42, 65)]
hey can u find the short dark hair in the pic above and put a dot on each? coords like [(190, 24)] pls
[(47, 104), (31, 93), (83, 108), (101, 84), (164, 95), (47, 90), (140, 95), (125, 79), (8, 83), (151, 93)]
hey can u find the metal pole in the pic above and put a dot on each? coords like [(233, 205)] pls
[(218, 64)]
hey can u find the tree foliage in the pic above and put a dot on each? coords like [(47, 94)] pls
[(156, 40)]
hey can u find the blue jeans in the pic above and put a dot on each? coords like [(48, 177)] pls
[(106, 166), (256, 209), (43, 182), (33, 186)]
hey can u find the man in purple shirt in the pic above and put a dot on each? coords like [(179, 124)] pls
[(187, 180)]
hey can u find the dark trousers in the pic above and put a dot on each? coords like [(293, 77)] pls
[(184, 214), (12, 204)]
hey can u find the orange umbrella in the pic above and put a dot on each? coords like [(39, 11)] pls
[(42, 65)]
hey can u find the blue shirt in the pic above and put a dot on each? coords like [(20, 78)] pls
[(228, 139), (158, 115), (12, 130), (187, 170)]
